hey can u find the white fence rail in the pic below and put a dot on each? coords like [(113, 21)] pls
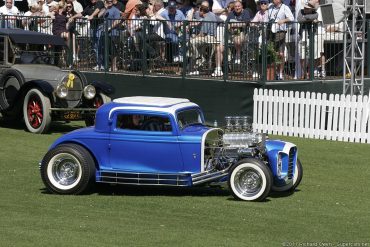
[(312, 115)]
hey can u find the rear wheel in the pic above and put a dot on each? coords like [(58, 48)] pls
[(10, 82), (250, 180), (36, 111), (68, 169), (97, 102)]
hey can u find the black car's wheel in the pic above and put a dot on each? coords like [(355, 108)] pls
[(250, 180), (68, 169), (36, 111), (10, 82), (297, 177), (97, 102)]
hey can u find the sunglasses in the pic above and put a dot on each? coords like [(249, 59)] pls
[(263, 3)]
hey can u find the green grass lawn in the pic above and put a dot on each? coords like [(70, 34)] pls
[(331, 204)]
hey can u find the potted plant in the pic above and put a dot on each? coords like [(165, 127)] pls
[(272, 58)]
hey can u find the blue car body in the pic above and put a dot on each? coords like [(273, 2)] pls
[(185, 152)]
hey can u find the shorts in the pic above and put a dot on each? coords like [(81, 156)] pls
[(220, 34), (278, 39)]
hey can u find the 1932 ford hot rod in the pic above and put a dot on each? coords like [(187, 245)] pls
[(164, 141)]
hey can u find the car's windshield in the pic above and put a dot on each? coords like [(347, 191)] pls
[(36, 54), (189, 117)]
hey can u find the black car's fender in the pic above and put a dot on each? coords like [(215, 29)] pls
[(103, 87)]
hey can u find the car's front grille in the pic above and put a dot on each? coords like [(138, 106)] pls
[(292, 155), (74, 93)]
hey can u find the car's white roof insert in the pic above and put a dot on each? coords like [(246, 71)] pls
[(150, 101)]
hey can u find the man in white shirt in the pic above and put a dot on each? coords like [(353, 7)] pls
[(8, 9), (278, 15)]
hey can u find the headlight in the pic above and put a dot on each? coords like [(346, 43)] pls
[(62, 91), (279, 166), (89, 92)]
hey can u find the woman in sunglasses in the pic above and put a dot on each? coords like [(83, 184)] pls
[(262, 15)]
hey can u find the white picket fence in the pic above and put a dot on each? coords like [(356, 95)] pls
[(312, 115)]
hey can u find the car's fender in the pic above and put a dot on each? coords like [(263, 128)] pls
[(103, 87)]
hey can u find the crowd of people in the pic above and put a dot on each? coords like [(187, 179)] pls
[(167, 34)]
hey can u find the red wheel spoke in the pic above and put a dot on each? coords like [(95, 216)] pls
[(34, 111)]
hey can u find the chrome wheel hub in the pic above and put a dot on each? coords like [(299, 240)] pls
[(65, 169), (248, 182)]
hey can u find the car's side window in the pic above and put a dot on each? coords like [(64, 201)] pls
[(143, 122)]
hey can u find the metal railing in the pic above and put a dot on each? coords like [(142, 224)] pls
[(244, 51)]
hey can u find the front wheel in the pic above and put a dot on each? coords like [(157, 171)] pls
[(36, 111), (97, 102), (250, 180), (297, 178), (298, 174), (68, 169)]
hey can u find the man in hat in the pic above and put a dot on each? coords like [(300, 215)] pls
[(311, 26), (174, 19)]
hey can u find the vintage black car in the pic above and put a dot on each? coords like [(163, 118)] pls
[(33, 85)]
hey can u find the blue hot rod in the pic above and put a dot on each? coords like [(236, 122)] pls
[(164, 141)]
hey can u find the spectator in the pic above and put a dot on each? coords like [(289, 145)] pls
[(10, 11), (119, 5), (174, 19), (91, 12), (262, 14), (44, 7), (77, 6), (219, 7), (238, 18), (71, 26), (220, 45), (207, 35), (130, 9), (194, 13), (158, 8), (50, 3), (112, 18), (279, 14), (136, 24), (30, 23), (311, 27), (184, 6), (60, 22)]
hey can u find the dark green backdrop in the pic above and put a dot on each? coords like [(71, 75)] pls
[(217, 98)]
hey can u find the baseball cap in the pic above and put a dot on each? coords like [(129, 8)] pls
[(172, 4), (264, 1)]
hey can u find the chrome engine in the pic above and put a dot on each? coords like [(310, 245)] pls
[(236, 141), (238, 133)]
